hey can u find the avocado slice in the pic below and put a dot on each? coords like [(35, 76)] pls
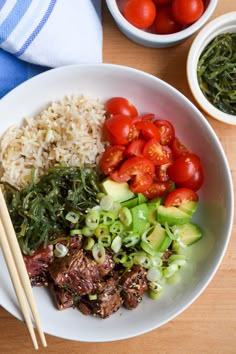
[(154, 240), (152, 212), (118, 191), (188, 233), (172, 216), (189, 207)]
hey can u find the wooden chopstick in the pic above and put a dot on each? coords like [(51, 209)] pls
[(18, 272)]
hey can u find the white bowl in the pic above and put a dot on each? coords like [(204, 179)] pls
[(155, 40), (222, 24), (215, 214)]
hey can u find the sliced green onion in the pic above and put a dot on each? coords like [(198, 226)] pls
[(72, 217), (92, 219), (125, 216), (116, 244), (105, 240), (142, 259), (116, 228), (172, 235), (106, 202), (86, 231), (153, 274), (120, 257), (154, 295), (154, 286), (178, 259), (107, 218), (98, 252), (92, 297), (88, 243), (130, 239), (170, 270), (115, 209), (101, 230), (60, 250), (76, 232)]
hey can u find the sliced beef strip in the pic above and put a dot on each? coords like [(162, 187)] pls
[(107, 301), (37, 265), (63, 299), (134, 284)]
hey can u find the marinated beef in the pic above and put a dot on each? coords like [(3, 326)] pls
[(79, 272), (106, 302), (134, 284), (63, 298), (37, 265)]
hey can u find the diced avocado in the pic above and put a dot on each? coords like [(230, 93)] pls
[(189, 207), (152, 212), (155, 238), (188, 233), (139, 218), (118, 191), (130, 203), (172, 216)]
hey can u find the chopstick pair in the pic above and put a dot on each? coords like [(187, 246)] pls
[(18, 273)]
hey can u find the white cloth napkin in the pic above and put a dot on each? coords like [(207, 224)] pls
[(52, 32)]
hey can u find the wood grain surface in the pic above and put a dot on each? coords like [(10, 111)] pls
[(208, 326)]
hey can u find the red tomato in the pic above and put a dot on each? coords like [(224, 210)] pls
[(178, 148), (187, 12), (120, 105), (183, 167), (157, 153), (135, 148), (161, 172), (140, 13), (195, 182), (164, 22), (140, 183), (162, 2), (148, 129), (166, 130), (158, 189), (136, 166), (117, 129), (180, 196), (112, 158)]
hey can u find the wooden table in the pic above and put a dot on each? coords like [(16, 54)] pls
[(208, 325)]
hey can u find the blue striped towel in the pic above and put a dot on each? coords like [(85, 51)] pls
[(39, 34)]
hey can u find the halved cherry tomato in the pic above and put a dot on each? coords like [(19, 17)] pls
[(158, 189), (195, 182), (157, 153), (183, 167), (178, 148), (135, 148), (164, 22), (166, 130), (140, 13), (162, 2), (180, 196), (161, 172), (148, 129), (120, 105), (187, 12), (117, 129), (136, 166), (112, 158), (140, 183)]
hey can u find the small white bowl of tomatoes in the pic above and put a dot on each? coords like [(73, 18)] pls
[(160, 23)]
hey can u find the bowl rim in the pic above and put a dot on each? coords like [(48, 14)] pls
[(160, 38), (209, 32)]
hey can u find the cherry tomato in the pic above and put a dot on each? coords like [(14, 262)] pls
[(164, 22), (148, 129), (162, 2), (178, 148), (187, 12), (180, 196), (183, 167), (195, 182), (158, 189), (166, 130), (120, 105), (136, 166), (135, 148), (140, 13), (117, 129), (140, 183), (161, 172), (112, 158), (157, 153)]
